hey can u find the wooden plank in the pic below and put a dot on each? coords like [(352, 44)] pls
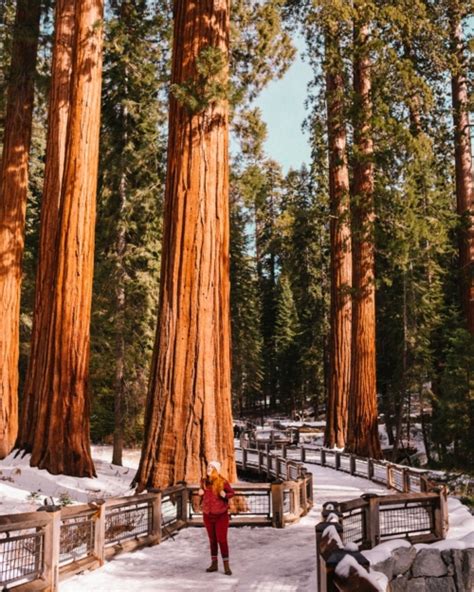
[(71, 569)]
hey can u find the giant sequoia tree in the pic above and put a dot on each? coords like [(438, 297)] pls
[(463, 161), (13, 193), (188, 416), (63, 413), (341, 257), (59, 104), (362, 435)]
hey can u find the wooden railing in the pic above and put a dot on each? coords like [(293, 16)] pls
[(38, 549), (401, 478)]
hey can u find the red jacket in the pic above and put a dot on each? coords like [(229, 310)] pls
[(216, 504)]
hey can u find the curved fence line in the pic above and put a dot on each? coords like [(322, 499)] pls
[(393, 476)]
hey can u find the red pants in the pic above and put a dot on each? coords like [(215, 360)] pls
[(217, 526)]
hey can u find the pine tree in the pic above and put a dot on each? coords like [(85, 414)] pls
[(13, 196), (129, 218)]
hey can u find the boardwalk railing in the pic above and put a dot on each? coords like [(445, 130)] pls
[(401, 478), (37, 549), (367, 521)]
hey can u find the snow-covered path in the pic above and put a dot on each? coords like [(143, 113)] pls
[(262, 559)]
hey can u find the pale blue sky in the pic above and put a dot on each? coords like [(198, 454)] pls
[(283, 110)]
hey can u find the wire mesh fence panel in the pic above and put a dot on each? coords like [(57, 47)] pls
[(398, 478), (249, 503), (414, 482), (171, 509), (76, 539), (293, 453), (330, 458), (361, 467), (353, 523), (293, 472), (313, 456), (286, 501), (345, 463), (127, 521), (21, 557), (252, 457), (380, 472), (406, 519)]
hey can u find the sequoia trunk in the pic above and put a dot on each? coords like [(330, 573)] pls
[(188, 415), (362, 436), (59, 104), (63, 416), (13, 195), (463, 162), (341, 258)]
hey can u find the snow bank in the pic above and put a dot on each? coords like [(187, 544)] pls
[(384, 550), (348, 566)]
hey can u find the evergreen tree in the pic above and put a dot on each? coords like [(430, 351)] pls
[(129, 217)]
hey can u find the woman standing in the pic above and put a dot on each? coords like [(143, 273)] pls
[(216, 493)]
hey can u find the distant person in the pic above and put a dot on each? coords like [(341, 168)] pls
[(216, 493)]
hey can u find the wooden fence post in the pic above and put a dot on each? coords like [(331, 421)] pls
[(278, 520), (352, 464), (370, 469), (372, 523), (99, 532), (303, 454), (406, 480), (389, 476), (441, 517), (156, 518), (284, 452), (303, 501), (269, 465), (51, 550), (260, 461), (337, 460), (323, 457)]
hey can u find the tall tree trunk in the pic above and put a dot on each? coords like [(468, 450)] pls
[(64, 410), (13, 196), (119, 387), (189, 415), (362, 436), (341, 257), (463, 161), (59, 104)]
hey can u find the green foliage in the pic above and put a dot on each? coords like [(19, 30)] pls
[(129, 218), (208, 86)]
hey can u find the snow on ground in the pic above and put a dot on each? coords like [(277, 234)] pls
[(18, 481)]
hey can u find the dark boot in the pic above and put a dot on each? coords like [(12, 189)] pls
[(213, 566), (227, 569)]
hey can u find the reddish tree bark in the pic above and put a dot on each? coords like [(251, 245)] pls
[(463, 162), (61, 441), (341, 257), (13, 195), (58, 115), (188, 415), (362, 436)]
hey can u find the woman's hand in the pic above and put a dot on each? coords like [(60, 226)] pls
[(201, 491), (223, 494)]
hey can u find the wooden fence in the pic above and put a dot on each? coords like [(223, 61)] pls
[(401, 478), (38, 549), (370, 520)]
